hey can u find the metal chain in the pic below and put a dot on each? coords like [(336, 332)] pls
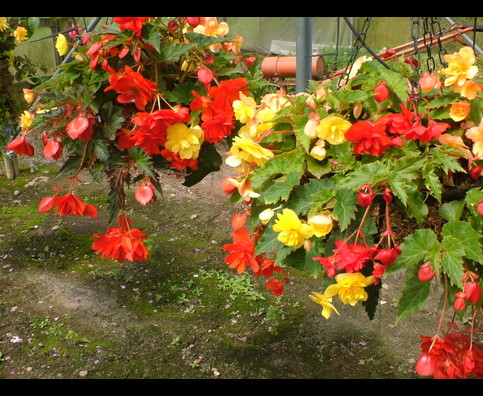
[(415, 64), (428, 39), (438, 32), (359, 42)]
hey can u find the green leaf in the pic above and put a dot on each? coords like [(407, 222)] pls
[(268, 242), (345, 207), (142, 160), (468, 238), (396, 83), (318, 168), (421, 246), (452, 260), (209, 161), (282, 164), (408, 167), (414, 294), (171, 52), (101, 150), (452, 211), (282, 187), (372, 174), (112, 118), (416, 207), (431, 181), (314, 192), (152, 36), (303, 261)]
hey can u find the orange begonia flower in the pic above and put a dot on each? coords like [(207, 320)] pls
[(459, 110)]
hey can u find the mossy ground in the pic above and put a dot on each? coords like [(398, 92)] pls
[(66, 313)]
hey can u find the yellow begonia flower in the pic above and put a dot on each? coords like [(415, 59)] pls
[(332, 129), (26, 120), (350, 287), (244, 148), (20, 34), (460, 68), (292, 232), (476, 135), (3, 24), (321, 224), (325, 302), (184, 141), (244, 108), (61, 45)]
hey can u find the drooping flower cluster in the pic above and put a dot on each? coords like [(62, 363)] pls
[(129, 107), (122, 243), (326, 175), (453, 356)]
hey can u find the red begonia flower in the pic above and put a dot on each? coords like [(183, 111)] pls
[(369, 138), (20, 146)]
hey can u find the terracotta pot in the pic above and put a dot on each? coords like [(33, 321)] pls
[(286, 67)]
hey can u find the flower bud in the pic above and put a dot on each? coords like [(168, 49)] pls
[(459, 304), (425, 365), (238, 221), (193, 21), (426, 272), (387, 256), (266, 215), (381, 93), (472, 291), (365, 195), (387, 195), (480, 207), (227, 185), (205, 76)]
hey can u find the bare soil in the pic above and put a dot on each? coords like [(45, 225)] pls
[(67, 314)]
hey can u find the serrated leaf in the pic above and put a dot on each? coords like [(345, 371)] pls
[(416, 207), (209, 161), (279, 165), (468, 237), (101, 150), (452, 260), (112, 118), (408, 167), (305, 196), (431, 181), (345, 207), (171, 52), (281, 188), (421, 246), (372, 173), (414, 294), (152, 36), (268, 242), (452, 211)]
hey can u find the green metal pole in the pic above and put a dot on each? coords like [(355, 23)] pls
[(303, 53)]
